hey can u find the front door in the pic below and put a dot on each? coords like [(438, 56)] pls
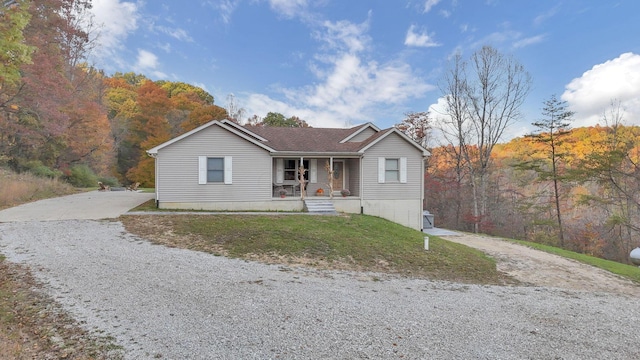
[(338, 175)]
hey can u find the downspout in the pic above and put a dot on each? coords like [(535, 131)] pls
[(361, 185), (155, 163), (422, 193)]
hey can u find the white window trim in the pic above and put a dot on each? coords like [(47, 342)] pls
[(313, 172), (228, 170), (202, 169), (402, 163), (279, 171)]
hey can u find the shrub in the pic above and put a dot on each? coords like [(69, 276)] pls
[(37, 168), (111, 181), (82, 176)]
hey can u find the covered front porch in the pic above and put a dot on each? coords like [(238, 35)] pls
[(321, 176)]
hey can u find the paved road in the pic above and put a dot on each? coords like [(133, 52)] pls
[(91, 205), (169, 303)]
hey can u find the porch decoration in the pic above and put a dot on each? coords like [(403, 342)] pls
[(301, 179), (327, 166), (282, 192), (320, 192), (345, 192)]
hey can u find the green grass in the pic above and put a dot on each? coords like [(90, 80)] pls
[(624, 270), (356, 241)]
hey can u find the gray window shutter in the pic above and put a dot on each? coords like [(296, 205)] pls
[(279, 171), (403, 170), (228, 170), (313, 172), (202, 170), (381, 170)]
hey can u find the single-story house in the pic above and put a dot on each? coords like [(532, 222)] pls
[(225, 166)]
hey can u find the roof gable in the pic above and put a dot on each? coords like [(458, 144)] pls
[(301, 140), (384, 133), (223, 124), (360, 129)]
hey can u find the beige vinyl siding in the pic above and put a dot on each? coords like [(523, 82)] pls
[(364, 135), (178, 169), (393, 146)]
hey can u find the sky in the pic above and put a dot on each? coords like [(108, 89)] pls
[(340, 63)]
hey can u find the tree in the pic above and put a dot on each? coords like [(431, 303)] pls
[(483, 97), (278, 120), (234, 111), (57, 118), (417, 126), (202, 115), (551, 130), (13, 50), (614, 164), (149, 128)]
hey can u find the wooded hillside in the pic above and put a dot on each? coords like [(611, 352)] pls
[(598, 171), (62, 117)]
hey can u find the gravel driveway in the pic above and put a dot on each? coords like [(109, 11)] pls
[(169, 303)]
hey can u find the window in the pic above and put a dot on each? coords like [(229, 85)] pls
[(392, 170), (290, 169), (214, 170)]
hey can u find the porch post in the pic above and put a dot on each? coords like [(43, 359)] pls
[(301, 178)]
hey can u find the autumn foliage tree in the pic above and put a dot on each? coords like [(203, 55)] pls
[(417, 126), (57, 120), (551, 131)]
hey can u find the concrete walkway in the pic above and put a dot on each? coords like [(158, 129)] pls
[(91, 205), (440, 232)]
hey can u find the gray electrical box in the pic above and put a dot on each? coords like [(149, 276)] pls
[(427, 220)]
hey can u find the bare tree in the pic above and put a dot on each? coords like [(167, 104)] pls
[(417, 126), (235, 113), (483, 97)]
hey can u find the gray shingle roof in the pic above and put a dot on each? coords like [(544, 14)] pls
[(309, 139)]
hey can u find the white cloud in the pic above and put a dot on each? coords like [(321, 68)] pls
[(529, 41), (146, 60), (147, 63), (345, 35), (179, 34), (544, 17), (350, 89), (115, 21), (225, 9), (289, 8), (590, 95), (419, 39), (429, 4)]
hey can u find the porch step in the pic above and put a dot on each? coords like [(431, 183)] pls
[(319, 206)]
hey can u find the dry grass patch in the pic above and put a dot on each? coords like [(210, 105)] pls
[(16, 189), (32, 326)]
